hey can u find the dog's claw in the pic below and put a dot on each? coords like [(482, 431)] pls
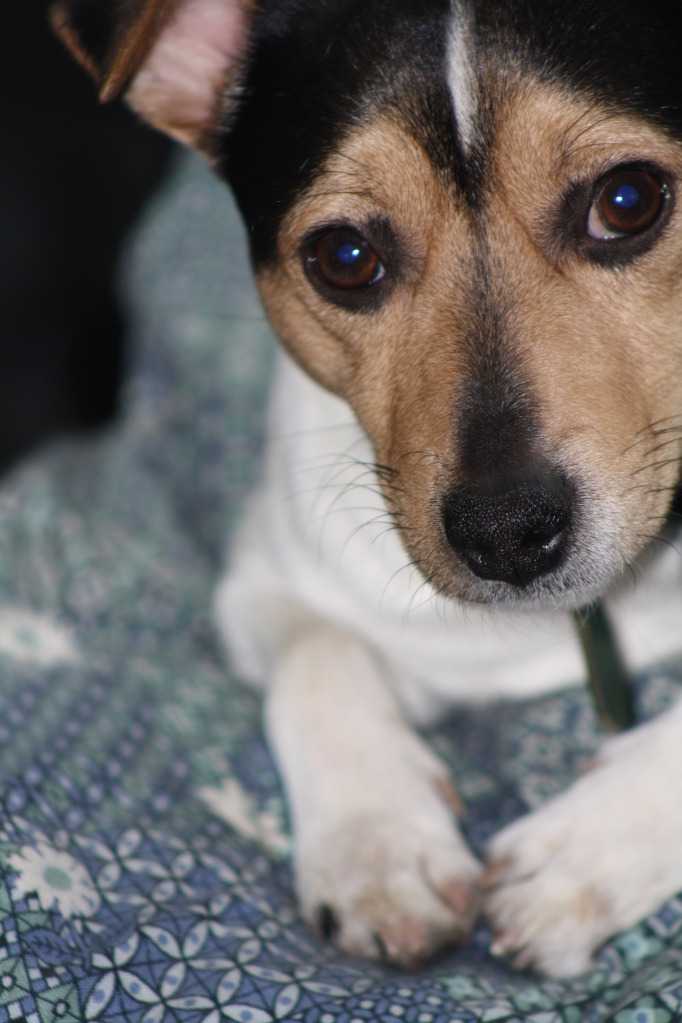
[(499, 947)]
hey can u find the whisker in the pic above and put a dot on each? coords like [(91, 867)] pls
[(656, 538), (393, 528), (661, 446), (361, 508), (333, 476), (363, 525), (656, 465), (408, 564), (355, 485), (411, 607), (570, 145), (344, 462), (348, 488), (649, 490), (425, 453), (321, 488), (659, 422), (668, 429), (641, 438), (388, 483)]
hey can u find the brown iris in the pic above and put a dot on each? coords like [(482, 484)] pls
[(629, 202), (346, 260)]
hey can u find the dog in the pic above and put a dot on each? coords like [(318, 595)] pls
[(464, 221)]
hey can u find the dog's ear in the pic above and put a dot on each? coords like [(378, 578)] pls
[(174, 60)]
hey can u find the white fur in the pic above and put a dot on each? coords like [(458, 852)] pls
[(318, 604), (374, 840), (462, 75)]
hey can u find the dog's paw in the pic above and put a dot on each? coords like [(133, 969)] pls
[(391, 888), (546, 908), (592, 862)]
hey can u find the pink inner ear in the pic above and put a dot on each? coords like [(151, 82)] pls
[(179, 85)]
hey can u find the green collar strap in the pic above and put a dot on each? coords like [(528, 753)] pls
[(607, 675)]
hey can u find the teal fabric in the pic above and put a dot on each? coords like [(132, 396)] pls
[(123, 897)]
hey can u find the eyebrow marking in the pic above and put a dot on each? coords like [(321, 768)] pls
[(461, 74)]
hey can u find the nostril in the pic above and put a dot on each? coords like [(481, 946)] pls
[(546, 535), (477, 558)]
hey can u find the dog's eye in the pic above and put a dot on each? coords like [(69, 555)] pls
[(629, 202), (343, 259)]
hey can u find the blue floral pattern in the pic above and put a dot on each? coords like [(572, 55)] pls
[(123, 896)]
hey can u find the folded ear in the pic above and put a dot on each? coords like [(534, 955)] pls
[(176, 61)]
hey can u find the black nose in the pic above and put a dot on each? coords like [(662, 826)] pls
[(515, 533)]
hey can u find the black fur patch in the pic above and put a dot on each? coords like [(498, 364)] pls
[(318, 69), (623, 53), (496, 423)]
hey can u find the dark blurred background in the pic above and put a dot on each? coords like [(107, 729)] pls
[(74, 177)]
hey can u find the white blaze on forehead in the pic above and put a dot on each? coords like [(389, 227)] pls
[(462, 77)]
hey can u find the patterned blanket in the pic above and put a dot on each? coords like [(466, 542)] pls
[(123, 895)]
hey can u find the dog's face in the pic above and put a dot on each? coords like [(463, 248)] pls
[(464, 220), (474, 238)]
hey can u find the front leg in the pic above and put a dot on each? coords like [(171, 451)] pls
[(597, 858), (380, 864)]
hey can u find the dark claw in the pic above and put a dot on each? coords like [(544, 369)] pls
[(327, 922)]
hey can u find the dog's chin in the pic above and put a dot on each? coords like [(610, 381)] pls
[(548, 594), (574, 586)]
